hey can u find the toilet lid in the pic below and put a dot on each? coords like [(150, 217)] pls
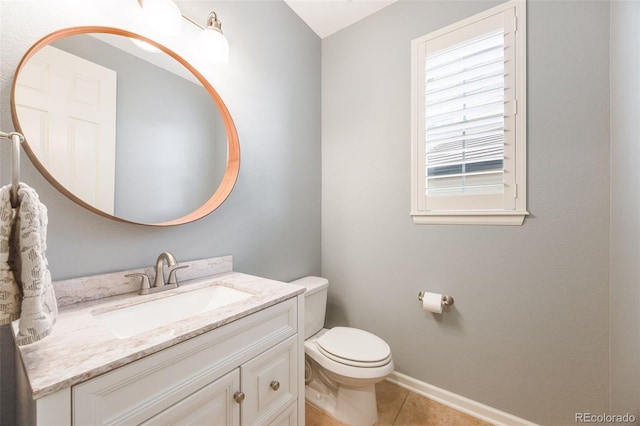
[(353, 346)]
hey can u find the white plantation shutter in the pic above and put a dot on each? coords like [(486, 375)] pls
[(464, 117), (468, 142)]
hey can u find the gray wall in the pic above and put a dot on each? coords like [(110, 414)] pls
[(528, 333), (625, 205), (271, 221)]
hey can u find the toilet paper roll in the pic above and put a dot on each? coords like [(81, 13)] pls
[(432, 302)]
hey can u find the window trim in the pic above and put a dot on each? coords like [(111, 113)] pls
[(515, 216)]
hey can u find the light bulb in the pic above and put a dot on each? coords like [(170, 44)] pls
[(214, 45), (163, 15)]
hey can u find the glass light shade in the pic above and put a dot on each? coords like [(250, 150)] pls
[(214, 46), (163, 15)]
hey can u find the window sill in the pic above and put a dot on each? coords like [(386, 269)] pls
[(482, 217)]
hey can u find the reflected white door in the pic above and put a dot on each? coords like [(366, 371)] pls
[(67, 110)]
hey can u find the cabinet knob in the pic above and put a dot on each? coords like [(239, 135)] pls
[(239, 397), (275, 385)]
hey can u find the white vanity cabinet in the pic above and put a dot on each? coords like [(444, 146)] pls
[(247, 372), (268, 379)]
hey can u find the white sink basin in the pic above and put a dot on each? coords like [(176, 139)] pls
[(132, 320)]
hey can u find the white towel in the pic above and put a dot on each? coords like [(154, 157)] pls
[(10, 292), (27, 246)]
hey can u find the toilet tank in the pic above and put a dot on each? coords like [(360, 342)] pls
[(315, 303)]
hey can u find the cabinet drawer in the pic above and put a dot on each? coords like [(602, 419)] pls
[(138, 391), (269, 382)]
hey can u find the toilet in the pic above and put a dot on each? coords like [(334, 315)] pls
[(342, 364)]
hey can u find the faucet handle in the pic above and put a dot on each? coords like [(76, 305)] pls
[(173, 279), (144, 284)]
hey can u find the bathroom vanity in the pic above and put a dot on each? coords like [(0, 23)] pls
[(236, 363)]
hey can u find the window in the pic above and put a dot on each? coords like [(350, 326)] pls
[(469, 120)]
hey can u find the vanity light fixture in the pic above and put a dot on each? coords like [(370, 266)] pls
[(161, 15), (213, 43), (214, 46), (164, 16)]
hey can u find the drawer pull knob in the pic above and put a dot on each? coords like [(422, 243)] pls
[(239, 397), (275, 385)]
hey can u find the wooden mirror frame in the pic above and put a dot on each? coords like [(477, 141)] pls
[(233, 147)]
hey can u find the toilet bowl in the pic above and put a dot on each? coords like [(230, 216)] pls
[(342, 364)]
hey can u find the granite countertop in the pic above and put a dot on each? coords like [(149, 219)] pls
[(79, 348)]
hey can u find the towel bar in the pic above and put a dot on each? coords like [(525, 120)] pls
[(16, 139)]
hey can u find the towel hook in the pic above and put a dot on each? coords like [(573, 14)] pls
[(16, 139)]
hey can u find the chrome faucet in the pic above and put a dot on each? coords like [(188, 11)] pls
[(159, 283)]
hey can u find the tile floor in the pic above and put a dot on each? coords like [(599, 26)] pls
[(397, 406)]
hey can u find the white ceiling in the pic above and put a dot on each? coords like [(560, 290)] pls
[(325, 17)]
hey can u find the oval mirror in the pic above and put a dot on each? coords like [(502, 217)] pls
[(133, 135)]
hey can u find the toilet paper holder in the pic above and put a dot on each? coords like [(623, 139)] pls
[(446, 299)]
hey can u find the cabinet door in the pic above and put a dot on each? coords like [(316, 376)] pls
[(211, 405), (288, 417), (269, 382)]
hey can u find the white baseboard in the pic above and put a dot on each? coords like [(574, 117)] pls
[(457, 402)]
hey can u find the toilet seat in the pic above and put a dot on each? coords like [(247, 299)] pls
[(354, 347), (342, 370)]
